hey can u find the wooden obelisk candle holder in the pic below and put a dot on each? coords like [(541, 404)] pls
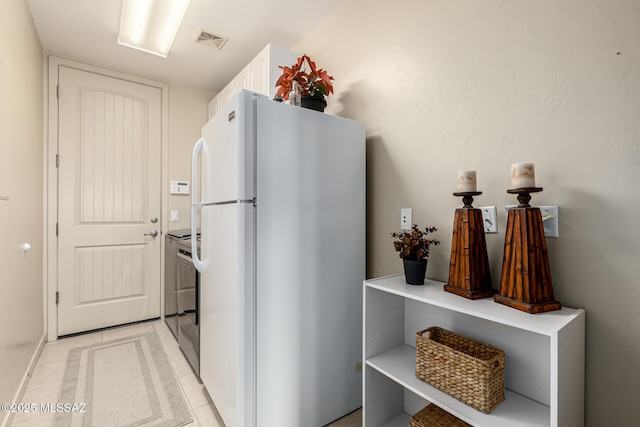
[(469, 274), (525, 283)]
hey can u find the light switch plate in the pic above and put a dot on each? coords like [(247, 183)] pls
[(175, 216)]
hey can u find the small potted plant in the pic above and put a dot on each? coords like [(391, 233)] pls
[(413, 246), (313, 83)]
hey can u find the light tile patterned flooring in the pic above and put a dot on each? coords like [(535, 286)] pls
[(46, 380)]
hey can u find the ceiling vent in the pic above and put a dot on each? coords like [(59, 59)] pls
[(209, 39)]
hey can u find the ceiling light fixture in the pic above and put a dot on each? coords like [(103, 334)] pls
[(151, 25)]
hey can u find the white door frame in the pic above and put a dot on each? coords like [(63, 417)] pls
[(50, 245)]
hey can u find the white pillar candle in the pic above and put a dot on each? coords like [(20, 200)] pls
[(523, 175), (466, 181)]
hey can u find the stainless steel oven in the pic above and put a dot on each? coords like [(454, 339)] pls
[(172, 239), (188, 297)]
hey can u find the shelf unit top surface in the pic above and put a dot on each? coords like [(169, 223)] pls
[(432, 292)]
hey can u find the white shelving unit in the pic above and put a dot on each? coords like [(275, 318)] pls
[(544, 373)]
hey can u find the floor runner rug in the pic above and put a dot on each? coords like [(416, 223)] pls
[(123, 382)]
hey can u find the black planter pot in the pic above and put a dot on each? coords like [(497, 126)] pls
[(414, 271), (316, 103)]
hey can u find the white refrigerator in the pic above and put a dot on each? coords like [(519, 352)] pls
[(282, 214)]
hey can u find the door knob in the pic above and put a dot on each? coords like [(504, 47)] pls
[(154, 219), (153, 233)]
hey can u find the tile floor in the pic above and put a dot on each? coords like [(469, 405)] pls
[(46, 380)]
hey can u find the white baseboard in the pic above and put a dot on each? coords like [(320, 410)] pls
[(8, 417)]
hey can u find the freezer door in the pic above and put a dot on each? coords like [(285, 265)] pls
[(227, 154), (227, 311)]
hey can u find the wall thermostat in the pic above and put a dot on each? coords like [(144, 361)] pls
[(179, 187)]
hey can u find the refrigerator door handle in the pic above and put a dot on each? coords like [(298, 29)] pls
[(197, 262)]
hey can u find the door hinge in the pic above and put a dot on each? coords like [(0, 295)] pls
[(57, 297), (57, 160), (58, 91), (56, 228)]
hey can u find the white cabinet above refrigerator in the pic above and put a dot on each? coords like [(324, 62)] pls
[(259, 76)]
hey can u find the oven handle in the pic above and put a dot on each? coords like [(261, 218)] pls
[(194, 203)]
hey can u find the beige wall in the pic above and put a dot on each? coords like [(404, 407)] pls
[(21, 178), (187, 115), (444, 85), (21, 217)]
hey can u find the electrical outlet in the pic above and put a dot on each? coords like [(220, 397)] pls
[(174, 216), (406, 218), (489, 219), (550, 220)]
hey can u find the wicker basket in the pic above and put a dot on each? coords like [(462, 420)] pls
[(434, 416), (467, 369)]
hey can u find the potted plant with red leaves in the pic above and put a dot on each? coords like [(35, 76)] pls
[(313, 83), (413, 246)]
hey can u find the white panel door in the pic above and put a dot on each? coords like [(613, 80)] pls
[(109, 194)]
